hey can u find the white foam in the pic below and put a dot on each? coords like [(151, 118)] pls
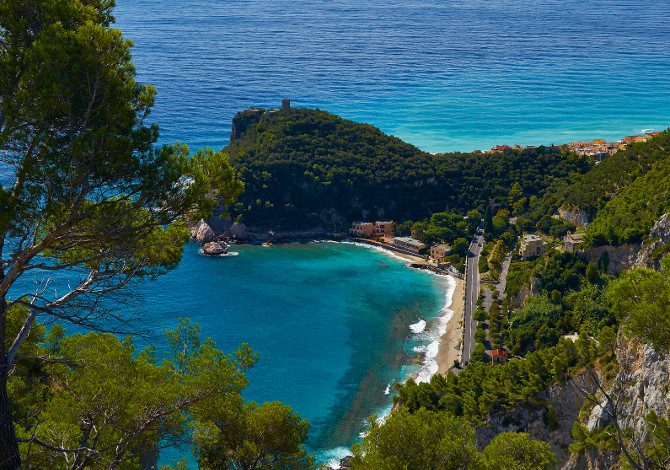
[(335, 455), (434, 335), (388, 390), (222, 255), (418, 327)]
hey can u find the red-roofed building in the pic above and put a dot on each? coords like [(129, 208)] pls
[(499, 356)]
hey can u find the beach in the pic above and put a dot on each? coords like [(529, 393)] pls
[(450, 342)]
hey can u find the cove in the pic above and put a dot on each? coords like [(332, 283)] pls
[(330, 322)]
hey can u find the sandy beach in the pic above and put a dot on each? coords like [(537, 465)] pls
[(450, 343)]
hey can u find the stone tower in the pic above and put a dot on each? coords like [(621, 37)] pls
[(285, 104)]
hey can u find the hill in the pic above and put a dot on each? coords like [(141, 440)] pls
[(307, 168)]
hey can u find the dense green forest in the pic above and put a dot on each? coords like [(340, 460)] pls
[(307, 168), (630, 215)]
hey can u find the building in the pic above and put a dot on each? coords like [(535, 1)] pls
[(362, 229), (384, 228), (409, 244), (532, 246), (572, 241), (438, 252), (499, 356), (285, 104), (377, 229)]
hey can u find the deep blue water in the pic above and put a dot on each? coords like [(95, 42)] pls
[(330, 322), (443, 75)]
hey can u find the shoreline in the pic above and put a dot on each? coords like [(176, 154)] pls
[(449, 343)]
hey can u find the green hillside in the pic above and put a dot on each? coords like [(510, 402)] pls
[(306, 168)]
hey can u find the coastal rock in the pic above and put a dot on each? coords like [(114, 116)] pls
[(238, 231), (203, 233), (214, 248), (565, 401)]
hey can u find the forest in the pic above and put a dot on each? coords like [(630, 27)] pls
[(307, 168)]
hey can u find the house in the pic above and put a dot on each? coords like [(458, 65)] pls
[(438, 252), (572, 241), (409, 244), (372, 229), (384, 228), (362, 229), (532, 246), (499, 356)]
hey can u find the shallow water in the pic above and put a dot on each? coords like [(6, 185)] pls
[(330, 321)]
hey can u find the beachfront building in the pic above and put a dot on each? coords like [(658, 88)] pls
[(438, 252), (362, 229), (532, 246), (409, 244), (377, 229), (384, 228), (572, 241)]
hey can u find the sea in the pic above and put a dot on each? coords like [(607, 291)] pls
[(335, 326), (444, 75)]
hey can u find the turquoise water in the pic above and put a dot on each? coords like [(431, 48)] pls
[(330, 322), (443, 75)]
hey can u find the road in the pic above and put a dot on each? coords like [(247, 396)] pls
[(471, 294)]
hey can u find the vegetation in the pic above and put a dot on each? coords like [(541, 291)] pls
[(641, 300), (426, 440), (93, 401), (307, 168), (628, 217), (87, 196)]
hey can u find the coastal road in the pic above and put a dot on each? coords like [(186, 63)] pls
[(471, 294)]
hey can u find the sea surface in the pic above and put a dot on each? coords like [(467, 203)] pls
[(335, 326), (443, 75)]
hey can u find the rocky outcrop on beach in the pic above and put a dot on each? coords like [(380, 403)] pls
[(214, 248), (202, 232)]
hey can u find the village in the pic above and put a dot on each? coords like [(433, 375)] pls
[(598, 148)]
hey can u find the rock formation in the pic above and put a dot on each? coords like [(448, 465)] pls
[(657, 244), (202, 232), (214, 248)]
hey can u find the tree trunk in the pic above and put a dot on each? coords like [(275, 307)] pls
[(9, 447)]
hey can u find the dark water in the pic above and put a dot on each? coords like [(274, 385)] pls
[(443, 75)]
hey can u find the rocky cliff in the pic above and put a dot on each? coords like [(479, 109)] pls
[(657, 244)]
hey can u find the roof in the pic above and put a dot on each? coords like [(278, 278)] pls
[(410, 241), (498, 352), (442, 246), (531, 237)]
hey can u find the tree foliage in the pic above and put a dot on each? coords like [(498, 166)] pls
[(641, 300), (84, 189)]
